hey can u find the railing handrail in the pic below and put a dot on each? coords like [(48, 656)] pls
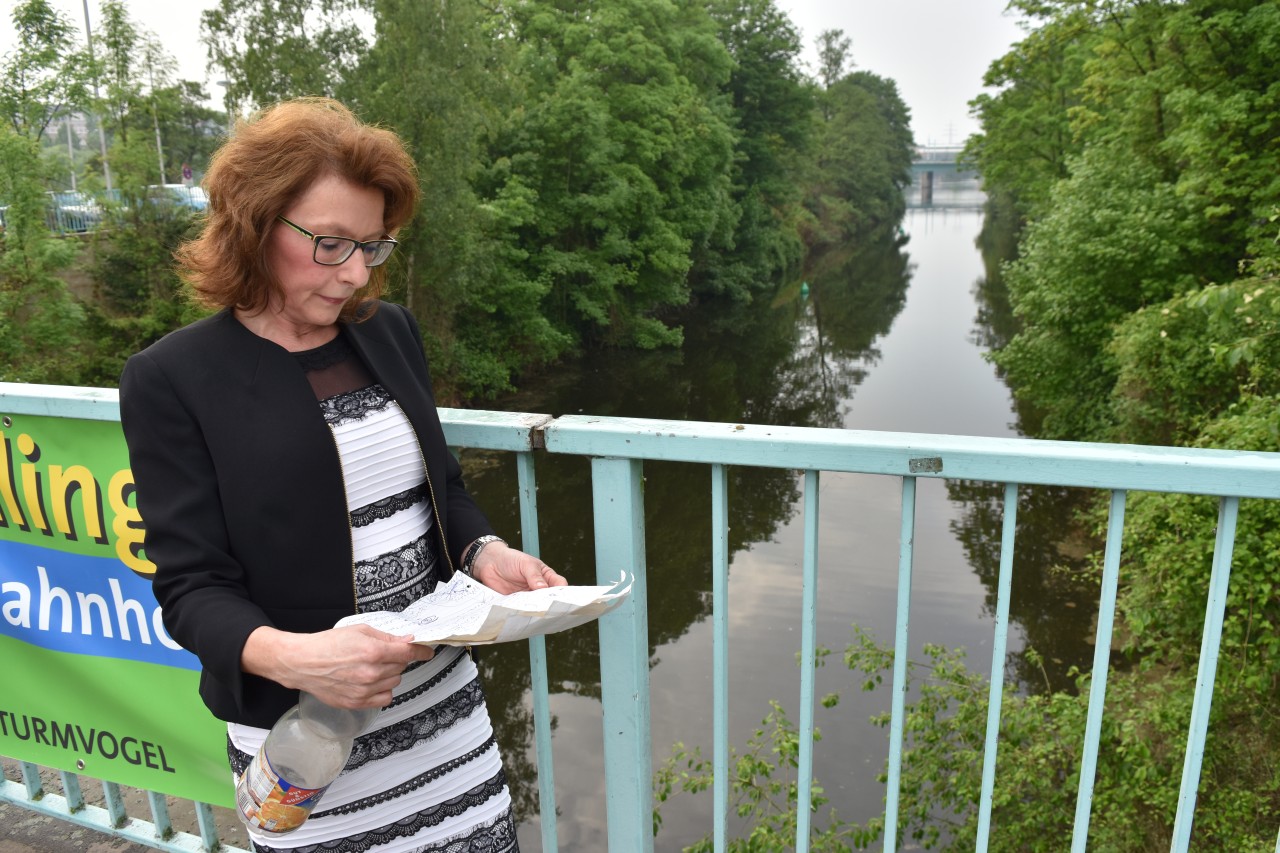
[(1039, 462), (1205, 471)]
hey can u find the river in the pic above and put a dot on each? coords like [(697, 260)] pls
[(887, 336)]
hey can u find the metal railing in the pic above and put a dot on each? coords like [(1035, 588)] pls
[(70, 213), (113, 816), (618, 447)]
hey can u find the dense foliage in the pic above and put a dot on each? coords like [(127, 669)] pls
[(1140, 142), (591, 172)]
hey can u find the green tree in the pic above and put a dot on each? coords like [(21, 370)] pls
[(1175, 116), (40, 323), (134, 68), (192, 131), (132, 262), (479, 309), (626, 144), (773, 115), (271, 50), (863, 159), (1116, 239), (1222, 141), (833, 57), (1147, 297), (43, 76), (119, 51), (1026, 136)]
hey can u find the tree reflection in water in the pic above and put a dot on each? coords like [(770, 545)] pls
[(1053, 595), (795, 360), (1054, 590)]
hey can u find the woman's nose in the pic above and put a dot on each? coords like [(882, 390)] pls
[(353, 270)]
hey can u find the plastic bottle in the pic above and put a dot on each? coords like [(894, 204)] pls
[(302, 755)]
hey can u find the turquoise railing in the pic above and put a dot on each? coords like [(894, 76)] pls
[(618, 447)]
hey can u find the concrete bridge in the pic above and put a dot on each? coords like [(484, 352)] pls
[(938, 169), (936, 154)]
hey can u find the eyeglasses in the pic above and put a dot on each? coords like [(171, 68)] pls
[(332, 251)]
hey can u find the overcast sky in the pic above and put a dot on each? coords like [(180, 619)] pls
[(935, 50)]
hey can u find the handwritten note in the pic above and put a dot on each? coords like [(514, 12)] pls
[(464, 612)]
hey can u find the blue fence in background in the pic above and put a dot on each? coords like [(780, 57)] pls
[(70, 213), (618, 448)]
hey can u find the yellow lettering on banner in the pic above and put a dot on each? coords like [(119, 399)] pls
[(32, 493), (11, 509), (127, 524), (25, 507), (63, 484)]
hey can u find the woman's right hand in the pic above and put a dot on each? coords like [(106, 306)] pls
[(350, 667)]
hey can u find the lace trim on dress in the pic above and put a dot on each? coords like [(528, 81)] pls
[(418, 728), (498, 836), (389, 506), (394, 580), (240, 760), (355, 405), (431, 682), (413, 784), (237, 759)]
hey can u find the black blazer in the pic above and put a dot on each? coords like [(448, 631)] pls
[(240, 489)]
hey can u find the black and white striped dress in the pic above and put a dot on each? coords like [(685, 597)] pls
[(426, 776)]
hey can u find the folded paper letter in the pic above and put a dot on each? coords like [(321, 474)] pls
[(464, 612)]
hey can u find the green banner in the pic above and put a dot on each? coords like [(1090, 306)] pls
[(91, 682)]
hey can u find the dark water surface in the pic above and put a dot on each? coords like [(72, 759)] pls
[(889, 336)]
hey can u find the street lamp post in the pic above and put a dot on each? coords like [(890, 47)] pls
[(226, 105), (102, 136), (71, 152), (155, 116)]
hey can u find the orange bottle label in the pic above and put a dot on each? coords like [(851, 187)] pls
[(269, 802)]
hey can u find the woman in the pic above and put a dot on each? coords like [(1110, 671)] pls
[(291, 470)]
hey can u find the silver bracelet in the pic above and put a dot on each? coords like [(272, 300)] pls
[(473, 553)]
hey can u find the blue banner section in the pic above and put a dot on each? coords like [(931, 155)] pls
[(84, 605)]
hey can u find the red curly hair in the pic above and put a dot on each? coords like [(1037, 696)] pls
[(270, 160)]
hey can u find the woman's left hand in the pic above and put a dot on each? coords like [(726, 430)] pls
[(505, 570)]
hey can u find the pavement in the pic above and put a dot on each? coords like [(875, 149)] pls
[(25, 831)]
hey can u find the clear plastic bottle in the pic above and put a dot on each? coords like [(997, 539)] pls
[(302, 755)]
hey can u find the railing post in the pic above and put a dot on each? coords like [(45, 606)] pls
[(531, 543), (1207, 671), (720, 652), (618, 497), (808, 662), (901, 658)]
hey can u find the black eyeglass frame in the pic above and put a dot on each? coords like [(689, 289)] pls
[(354, 243)]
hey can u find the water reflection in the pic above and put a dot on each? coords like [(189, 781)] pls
[(1053, 596), (855, 342), (858, 290), (797, 361), (995, 324)]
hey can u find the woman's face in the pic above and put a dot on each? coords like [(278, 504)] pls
[(313, 294)]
